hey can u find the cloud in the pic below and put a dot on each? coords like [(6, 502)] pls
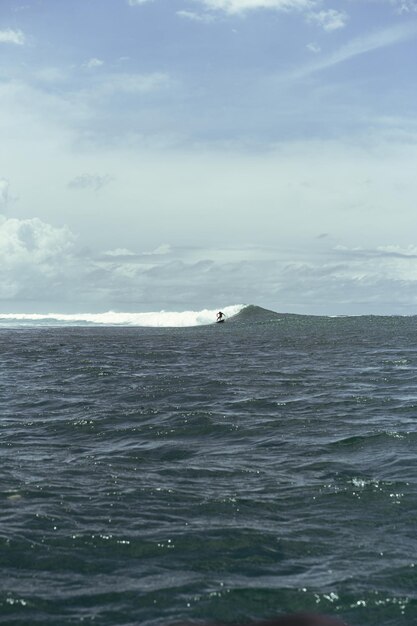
[(240, 6), (89, 181), (119, 252), (329, 20), (94, 62), (333, 284), (405, 6), (33, 258), (39, 262), (235, 7), (32, 240), (138, 257), (313, 47), (387, 252), (87, 108), (362, 45), (12, 36), (205, 18), (164, 248)]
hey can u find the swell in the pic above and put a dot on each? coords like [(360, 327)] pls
[(154, 319)]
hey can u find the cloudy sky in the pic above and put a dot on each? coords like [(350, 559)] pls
[(184, 154)]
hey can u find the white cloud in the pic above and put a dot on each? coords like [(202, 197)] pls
[(362, 45), (405, 6), (39, 262), (119, 252), (375, 40), (340, 281), (205, 18), (94, 62), (164, 248), (32, 240), (242, 6), (236, 7), (313, 47), (12, 36), (35, 259), (31, 111), (329, 20)]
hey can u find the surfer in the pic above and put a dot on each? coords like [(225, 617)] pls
[(220, 316)]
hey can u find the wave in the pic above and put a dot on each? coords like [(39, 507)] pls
[(257, 314), (160, 319)]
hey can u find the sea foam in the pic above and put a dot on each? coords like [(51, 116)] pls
[(162, 319)]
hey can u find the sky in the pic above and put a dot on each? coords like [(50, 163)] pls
[(189, 154)]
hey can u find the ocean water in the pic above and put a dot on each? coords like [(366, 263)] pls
[(208, 472)]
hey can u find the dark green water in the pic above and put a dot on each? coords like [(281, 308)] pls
[(227, 472)]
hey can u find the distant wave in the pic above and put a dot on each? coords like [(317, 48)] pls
[(160, 319)]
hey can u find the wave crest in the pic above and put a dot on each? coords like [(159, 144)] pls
[(160, 319)]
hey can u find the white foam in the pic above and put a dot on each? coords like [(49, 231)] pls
[(162, 319)]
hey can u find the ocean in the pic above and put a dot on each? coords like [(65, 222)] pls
[(163, 468)]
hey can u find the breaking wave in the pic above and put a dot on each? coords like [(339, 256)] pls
[(159, 319)]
